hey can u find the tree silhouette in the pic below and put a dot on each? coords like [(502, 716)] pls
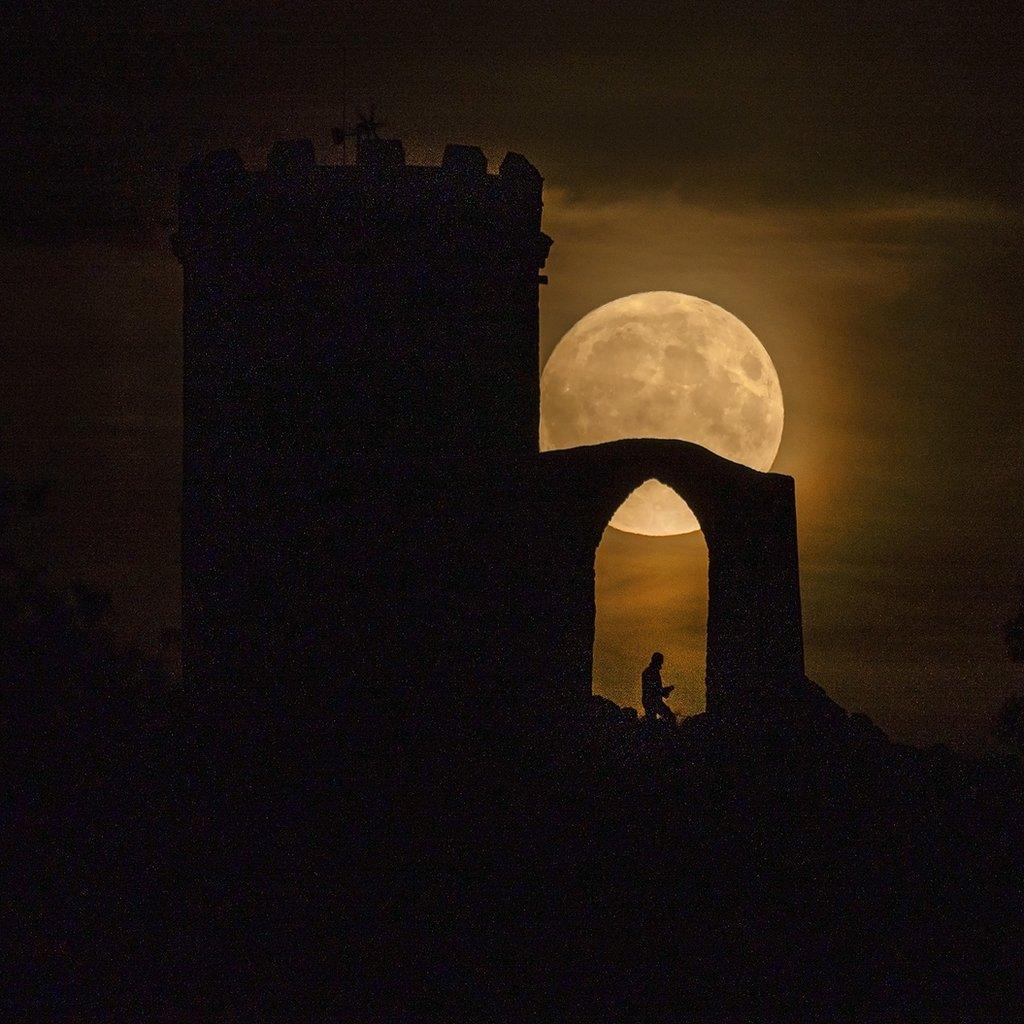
[(1009, 724), (1014, 632), (93, 777)]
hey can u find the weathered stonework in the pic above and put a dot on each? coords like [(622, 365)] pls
[(366, 511)]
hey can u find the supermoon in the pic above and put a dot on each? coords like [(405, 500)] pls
[(662, 364)]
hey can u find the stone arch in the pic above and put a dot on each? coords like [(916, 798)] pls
[(628, 625), (755, 637)]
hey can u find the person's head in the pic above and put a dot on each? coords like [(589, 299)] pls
[(657, 659)]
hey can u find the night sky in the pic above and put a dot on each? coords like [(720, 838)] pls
[(845, 183)]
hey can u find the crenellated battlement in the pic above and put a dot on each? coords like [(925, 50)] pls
[(331, 210), (367, 512)]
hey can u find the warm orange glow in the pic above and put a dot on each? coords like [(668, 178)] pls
[(652, 594), (668, 365)]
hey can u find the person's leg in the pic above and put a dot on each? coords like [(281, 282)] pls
[(666, 713)]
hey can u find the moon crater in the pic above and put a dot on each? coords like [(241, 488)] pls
[(666, 365)]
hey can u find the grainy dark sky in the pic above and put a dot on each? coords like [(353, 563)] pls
[(845, 181)]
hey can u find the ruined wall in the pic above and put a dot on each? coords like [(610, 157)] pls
[(360, 412), (366, 512), (755, 635)]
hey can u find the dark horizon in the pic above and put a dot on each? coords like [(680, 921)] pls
[(846, 186), (314, 698)]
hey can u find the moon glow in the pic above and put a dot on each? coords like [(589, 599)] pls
[(667, 365)]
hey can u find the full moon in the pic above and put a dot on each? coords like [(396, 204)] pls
[(662, 364)]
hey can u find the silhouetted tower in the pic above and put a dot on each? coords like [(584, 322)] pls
[(361, 382), (366, 511)]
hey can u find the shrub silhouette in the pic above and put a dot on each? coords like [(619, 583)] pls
[(1014, 633), (799, 868), (92, 777)]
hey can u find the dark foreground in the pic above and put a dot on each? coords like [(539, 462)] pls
[(588, 867), (802, 870)]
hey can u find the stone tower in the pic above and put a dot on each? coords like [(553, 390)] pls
[(366, 511)]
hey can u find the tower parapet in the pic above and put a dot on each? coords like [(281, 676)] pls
[(366, 509), (334, 209), (361, 389)]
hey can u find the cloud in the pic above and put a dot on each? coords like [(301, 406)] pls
[(889, 322), (735, 104)]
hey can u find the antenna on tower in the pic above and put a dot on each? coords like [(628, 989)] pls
[(343, 133), (365, 127)]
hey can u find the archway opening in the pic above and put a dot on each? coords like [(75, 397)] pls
[(651, 594)]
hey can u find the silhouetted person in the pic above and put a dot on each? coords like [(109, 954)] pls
[(653, 694)]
